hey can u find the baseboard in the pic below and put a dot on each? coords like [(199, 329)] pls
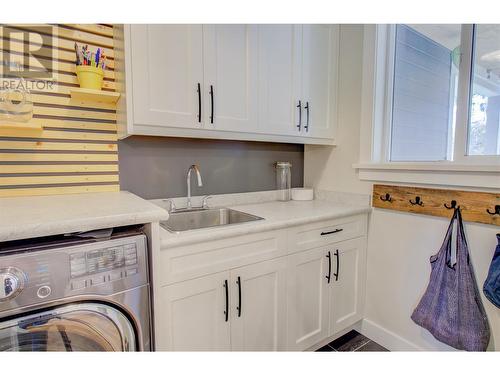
[(386, 338)]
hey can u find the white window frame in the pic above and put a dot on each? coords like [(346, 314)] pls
[(376, 116)]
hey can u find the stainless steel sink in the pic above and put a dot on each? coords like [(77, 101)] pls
[(205, 218)]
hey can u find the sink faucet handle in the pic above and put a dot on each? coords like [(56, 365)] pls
[(172, 205), (204, 201)]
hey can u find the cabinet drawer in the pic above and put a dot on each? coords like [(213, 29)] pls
[(196, 260), (325, 232)]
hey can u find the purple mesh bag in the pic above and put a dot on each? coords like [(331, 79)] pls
[(451, 308)]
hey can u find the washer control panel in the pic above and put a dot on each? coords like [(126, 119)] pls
[(96, 267), (102, 268)]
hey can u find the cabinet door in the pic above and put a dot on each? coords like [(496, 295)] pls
[(167, 66), (279, 78), (347, 292), (258, 295), (192, 315), (307, 298), (231, 71), (320, 57)]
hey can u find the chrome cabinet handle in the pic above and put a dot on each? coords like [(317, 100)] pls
[(299, 106)]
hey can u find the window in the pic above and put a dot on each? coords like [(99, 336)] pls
[(435, 111), (484, 120), (424, 92), (430, 110)]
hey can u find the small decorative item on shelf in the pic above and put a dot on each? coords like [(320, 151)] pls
[(90, 67), (16, 105)]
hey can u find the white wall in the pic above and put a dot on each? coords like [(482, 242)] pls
[(399, 244)]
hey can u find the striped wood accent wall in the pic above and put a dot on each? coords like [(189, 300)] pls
[(75, 151)]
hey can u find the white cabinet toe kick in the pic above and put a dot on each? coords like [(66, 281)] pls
[(279, 290)]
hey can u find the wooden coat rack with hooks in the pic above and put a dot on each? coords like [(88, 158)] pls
[(478, 207)]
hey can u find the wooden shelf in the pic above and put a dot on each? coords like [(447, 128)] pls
[(22, 126), (89, 95)]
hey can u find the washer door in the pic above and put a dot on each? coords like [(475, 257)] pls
[(73, 327)]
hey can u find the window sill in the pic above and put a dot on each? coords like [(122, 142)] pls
[(432, 173)]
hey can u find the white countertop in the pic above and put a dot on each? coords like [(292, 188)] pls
[(37, 216), (277, 215)]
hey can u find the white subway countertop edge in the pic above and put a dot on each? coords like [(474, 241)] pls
[(38, 216), (277, 215)]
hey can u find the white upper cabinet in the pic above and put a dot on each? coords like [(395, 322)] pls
[(248, 82), (319, 80), (167, 67), (231, 71), (280, 72)]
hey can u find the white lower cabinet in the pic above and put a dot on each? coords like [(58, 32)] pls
[(307, 295), (242, 310), (348, 286), (193, 315), (287, 302), (258, 295), (325, 291)]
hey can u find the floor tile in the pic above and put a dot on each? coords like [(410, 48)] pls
[(371, 346), (325, 348), (349, 342)]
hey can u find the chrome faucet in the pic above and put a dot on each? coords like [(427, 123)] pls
[(200, 183)]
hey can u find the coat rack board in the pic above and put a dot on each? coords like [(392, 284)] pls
[(476, 207)]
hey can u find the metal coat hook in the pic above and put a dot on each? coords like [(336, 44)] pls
[(453, 205), (417, 201), (387, 198), (496, 212)]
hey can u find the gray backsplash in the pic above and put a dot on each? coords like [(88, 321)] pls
[(155, 167)]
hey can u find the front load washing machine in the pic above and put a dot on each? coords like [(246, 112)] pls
[(76, 294)]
